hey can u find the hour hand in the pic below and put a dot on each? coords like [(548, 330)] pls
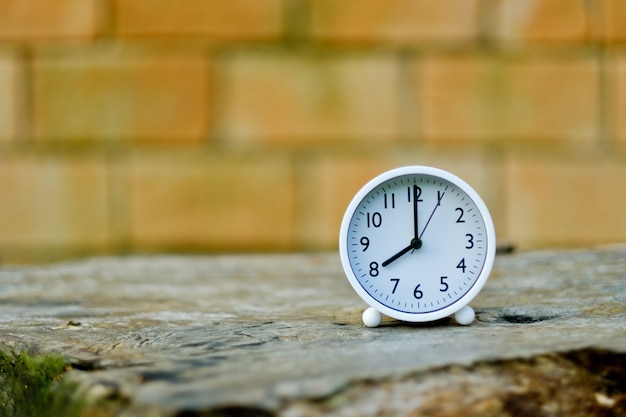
[(415, 244)]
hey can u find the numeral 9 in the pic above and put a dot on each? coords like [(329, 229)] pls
[(365, 242)]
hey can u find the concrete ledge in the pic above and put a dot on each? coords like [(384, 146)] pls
[(282, 335)]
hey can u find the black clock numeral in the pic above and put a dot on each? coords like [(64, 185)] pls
[(417, 293), (470, 241), (409, 193), (392, 200), (444, 285), (440, 197), (374, 269), (461, 265), (365, 242), (461, 212), (374, 219), (395, 285)]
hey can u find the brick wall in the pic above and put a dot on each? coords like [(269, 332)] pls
[(243, 125)]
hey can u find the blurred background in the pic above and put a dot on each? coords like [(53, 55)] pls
[(132, 126)]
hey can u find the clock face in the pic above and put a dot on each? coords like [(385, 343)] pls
[(417, 243)]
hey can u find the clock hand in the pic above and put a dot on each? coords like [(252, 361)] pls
[(415, 244), (397, 255), (415, 221), (439, 198)]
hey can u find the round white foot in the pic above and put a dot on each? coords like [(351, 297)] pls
[(465, 316), (372, 317)]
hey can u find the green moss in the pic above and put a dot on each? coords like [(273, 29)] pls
[(34, 386)]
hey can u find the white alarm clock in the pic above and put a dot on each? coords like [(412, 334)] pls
[(417, 244)]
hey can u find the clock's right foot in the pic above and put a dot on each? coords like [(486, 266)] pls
[(465, 316)]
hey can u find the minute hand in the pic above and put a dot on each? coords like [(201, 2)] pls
[(415, 214), (439, 198)]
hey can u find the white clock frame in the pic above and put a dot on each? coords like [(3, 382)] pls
[(463, 313)]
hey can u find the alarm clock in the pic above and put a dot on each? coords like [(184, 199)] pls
[(417, 244)]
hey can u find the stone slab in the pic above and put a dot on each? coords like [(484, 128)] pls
[(174, 334)]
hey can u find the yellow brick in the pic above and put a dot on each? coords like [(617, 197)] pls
[(576, 202), (553, 99), (397, 21), (234, 19), (538, 20), (617, 99), (37, 19), (196, 200), (607, 20), (278, 98), (457, 97), (53, 202), (104, 96), (474, 98), (9, 98)]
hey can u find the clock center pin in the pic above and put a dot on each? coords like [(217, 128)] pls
[(416, 243)]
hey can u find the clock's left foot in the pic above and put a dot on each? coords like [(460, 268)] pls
[(372, 317), (465, 316)]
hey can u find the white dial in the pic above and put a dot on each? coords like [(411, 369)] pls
[(417, 243)]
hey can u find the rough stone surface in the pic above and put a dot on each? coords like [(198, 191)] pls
[(282, 335)]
